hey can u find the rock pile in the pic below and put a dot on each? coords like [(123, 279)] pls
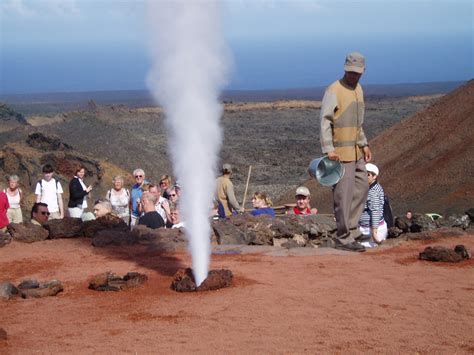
[(108, 281), (183, 280), (30, 289)]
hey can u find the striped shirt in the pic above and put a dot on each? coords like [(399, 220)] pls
[(373, 211), (342, 116)]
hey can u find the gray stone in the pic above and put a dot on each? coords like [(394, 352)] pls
[(27, 232), (28, 290), (8, 290), (455, 221), (64, 228)]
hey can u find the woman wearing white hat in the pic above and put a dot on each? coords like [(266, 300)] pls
[(371, 222)]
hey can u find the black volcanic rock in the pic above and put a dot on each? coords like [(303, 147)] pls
[(440, 253), (46, 142)]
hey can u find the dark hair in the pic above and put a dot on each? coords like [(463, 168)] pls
[(36, 207), (48, 169)]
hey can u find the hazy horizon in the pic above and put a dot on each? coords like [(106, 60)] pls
[(81, 46)]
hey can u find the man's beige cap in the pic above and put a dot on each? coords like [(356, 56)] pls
[(355, 62), (227, 168), (302, 190)]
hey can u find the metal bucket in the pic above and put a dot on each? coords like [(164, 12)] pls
[(327, 172)]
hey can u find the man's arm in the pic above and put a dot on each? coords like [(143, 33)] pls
[(231, 198), (362, 143), (328, 107)]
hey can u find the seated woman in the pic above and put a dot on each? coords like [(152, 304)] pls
[(262, 205), (372, 223)]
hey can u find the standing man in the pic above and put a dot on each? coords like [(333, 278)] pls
[(225, 193), (343, 139), (136, 194)]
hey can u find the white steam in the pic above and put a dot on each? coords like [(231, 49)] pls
[(189, 69)]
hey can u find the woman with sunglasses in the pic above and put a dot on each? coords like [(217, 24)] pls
[(165, 186), (372, 223)]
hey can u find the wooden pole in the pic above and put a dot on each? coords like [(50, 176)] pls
[(247, 186)]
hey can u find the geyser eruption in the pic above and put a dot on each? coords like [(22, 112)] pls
[(189, 69)]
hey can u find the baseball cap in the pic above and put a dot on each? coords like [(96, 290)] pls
[(227, 167), (372, 168), (355, 62), (302, 190)]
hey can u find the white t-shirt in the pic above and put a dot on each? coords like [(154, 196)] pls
[(48, 191)]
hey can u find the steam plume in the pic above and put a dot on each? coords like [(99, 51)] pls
[(189, 69)]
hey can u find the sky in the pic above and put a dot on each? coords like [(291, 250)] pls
[(95, 45)]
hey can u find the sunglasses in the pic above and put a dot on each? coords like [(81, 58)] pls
[(173, 195), (138, 176), (45, 213)]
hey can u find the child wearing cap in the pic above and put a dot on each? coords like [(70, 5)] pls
[(371, 222)]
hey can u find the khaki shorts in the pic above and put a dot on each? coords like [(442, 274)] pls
[(14, 215)]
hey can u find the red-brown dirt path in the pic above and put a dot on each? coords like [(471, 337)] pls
[(381, 301)]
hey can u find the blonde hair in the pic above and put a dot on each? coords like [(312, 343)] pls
[(263, 196), (166, 178)]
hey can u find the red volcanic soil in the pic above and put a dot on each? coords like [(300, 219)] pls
[(426, 160), (322, 301)]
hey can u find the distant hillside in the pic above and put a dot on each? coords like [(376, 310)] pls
[(426, 160), (60, 102)]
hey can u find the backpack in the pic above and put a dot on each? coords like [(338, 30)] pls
[(387, 212)]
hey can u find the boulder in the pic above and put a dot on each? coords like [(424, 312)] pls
[(8, 290), (455, 221), (27, 232), (421, 223), (107, 237), (108, 281), (264, 230), (183, 280), (232, 231), (109, 222), (5, 238), (440, 253), (64, 228), (161, 238), (35, 289), (403, 224)]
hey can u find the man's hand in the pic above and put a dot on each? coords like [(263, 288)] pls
[(333, 155), (367, 154)]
